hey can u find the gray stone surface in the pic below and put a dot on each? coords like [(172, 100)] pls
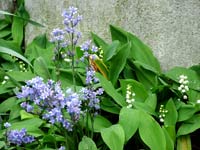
[(6, 5), (170, 27)]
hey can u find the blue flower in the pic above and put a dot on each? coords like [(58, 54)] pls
[(19, 137), (7, 125)]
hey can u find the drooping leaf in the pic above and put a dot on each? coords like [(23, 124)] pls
[(87, 144), (13, 53), (30, 21), (114, 137), (129, 120)]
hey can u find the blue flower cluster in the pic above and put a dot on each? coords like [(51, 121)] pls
[(49, 100), (90, 94), (69, 35), (19, 137)]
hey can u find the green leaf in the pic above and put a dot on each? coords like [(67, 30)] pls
[(87, 144), (8, 104), (114, 137), (99, 123), (151, 101), (143, 54), (13, 53), (151, 133), (25, 115), (146, 77), (41, 69), (3, 24), (169, 141), (32, 125), (15, 112), (185, 112), (99, 41), (144, 107), (109, 106), (30, 21), (21, 76), (110, 51), (2, 144), (17, 30), (189, 126), (110, 90), (129, 119), (118, 34), (193, 77), (5, 33), (136, 87), (193, 95), (40, 47), (120, 59), (172, 115)]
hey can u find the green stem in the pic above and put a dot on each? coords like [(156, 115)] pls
[(184, 142)]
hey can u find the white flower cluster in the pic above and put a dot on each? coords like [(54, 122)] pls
[(129, 96), (162, 113), (6, 78), (183, 88)]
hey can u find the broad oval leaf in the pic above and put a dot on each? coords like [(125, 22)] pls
[(140, 92), (114, 137), (129, 119), (87, 144), (189, 126), (151, 133)]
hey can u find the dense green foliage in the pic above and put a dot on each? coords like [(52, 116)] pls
[(160, 117)]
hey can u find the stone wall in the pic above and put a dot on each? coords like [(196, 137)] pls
[(6, 5), (170, 27)]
